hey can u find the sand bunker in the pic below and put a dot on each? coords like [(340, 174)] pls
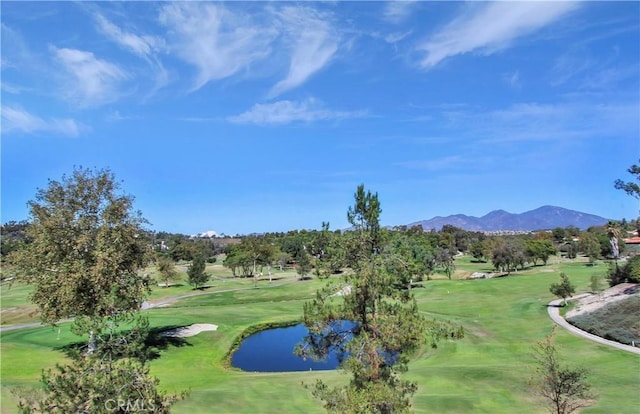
[(191, 330), (344, 291)]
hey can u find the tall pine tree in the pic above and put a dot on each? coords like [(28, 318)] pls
[(374, 326)]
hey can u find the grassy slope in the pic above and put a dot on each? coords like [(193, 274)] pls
[(488, 371), (15, 306)]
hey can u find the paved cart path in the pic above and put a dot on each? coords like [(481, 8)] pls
[(554, 312)]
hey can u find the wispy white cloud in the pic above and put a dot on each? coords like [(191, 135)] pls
[(89, 81), (116, 116), (610, 78), (397, 11), (396, 37), (12, 89), (490, 27), (569, 65), (218, 42), (144, 46), (15, 53), (554, 122), (285, 112), (313, 40), (513, 79), (16, 119), (586, 73), (141, 45)]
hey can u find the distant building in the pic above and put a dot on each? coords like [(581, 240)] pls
[(633, 245)]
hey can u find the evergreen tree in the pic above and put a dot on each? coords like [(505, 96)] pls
[(96, 385), (631, 188), (303, 264), (374, 326)]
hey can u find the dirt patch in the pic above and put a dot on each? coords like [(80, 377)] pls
[(594, 302)]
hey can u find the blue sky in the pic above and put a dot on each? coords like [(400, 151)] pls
[(247, 117)]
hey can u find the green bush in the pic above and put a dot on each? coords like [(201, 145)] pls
[(629, 272), (617, 321)]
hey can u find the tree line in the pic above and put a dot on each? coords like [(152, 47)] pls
[(84, 249), (325, 252)]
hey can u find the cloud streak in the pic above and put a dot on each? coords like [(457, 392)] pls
[(286, 112), (315, 42), (489, 28), (143, 46), (218, 42), (531, 122), (397, 11), (15, 119), (90, 81)]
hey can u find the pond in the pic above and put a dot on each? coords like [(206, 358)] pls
[(271, 350)]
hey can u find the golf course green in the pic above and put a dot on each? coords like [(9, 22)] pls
[(488, 371)]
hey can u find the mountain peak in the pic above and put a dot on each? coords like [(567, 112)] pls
[(542, 218)]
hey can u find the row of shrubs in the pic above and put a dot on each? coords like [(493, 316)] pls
[(617, 321), (625, 272)]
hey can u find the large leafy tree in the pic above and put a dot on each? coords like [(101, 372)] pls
[(86, 248), (12, 237), (444, 258), (539, 249), (564, 289), (197, 275), (251, 253), (167, 270), (410, 256), (590, 246), (383, 325)]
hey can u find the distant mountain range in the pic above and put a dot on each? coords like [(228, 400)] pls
[(542, 218)]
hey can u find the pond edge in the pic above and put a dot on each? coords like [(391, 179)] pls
[(253, 329)]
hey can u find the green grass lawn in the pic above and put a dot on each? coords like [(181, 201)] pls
[(14, 305), (486, 372)]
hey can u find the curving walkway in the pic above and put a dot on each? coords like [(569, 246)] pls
[(554, 312)]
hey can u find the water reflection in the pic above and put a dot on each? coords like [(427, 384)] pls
[(271, 350)]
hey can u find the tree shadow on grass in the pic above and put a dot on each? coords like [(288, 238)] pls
[(273, 278), (202, 288), (157, 340), (132, 343)]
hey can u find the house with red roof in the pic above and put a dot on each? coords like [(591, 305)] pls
[(633, 245)]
